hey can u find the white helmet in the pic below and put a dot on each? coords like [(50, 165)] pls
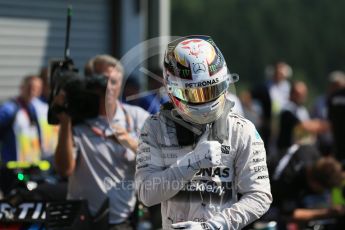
[(196, 78)]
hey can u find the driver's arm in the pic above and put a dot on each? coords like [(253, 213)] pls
[(155, 182)]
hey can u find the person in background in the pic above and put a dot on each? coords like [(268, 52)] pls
[(301, 186), (150, 100), (251, 109), (20, 134), (44, 75), (279, 87), (155, 84), (98, 154), (272, 96), (49, 132), (133, 95), (296, 126), (336, 81), (20, 137)]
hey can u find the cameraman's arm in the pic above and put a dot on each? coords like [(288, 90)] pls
[(125, 139), (64, 159)]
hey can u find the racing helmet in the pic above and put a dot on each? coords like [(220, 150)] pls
[(196, 78)]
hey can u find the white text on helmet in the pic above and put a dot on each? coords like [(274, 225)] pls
[(202, 83)]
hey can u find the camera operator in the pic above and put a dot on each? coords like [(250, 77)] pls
[(99, 162)]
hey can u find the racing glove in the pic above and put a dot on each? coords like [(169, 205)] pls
[(191, 225), (205, 155), (218, 222)]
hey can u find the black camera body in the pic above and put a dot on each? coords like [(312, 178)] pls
[(81, 93)]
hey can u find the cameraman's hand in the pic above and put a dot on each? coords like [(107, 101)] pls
[(64, 118), (124, 138), (59, 100)]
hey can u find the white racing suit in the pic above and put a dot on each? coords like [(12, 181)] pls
[(231, 195)]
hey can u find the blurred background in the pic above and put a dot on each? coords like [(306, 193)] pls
[(252, 34)]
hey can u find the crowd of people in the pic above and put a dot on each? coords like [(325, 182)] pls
[(198, 134), (305, 157)]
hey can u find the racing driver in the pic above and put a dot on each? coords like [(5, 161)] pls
[(205, 164)]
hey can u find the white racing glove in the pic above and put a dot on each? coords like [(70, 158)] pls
[(205, 155), (191, 225), (218, 222)]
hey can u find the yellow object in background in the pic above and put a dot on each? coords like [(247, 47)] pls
[(338, 195), (43, 165)]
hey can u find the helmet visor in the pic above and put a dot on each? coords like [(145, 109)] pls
[(200, 94)]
